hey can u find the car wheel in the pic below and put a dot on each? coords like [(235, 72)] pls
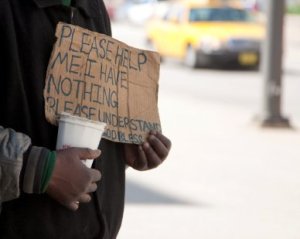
[(191, 58)]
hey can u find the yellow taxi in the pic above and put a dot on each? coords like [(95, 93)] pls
[(203, 33)]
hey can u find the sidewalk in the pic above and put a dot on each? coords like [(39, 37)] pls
[(226, 178), (240, 182)]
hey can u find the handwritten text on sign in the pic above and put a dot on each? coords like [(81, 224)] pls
[(97, 77)]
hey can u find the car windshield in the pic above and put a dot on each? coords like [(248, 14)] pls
[(218, 14)]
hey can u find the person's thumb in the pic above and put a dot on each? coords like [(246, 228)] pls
[(86, 153)]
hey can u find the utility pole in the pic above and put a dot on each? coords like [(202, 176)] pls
[(272, 65)]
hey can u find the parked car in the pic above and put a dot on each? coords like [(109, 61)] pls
[(207, 33)]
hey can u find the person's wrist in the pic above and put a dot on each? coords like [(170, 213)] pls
[(48, 170), (38, 170)]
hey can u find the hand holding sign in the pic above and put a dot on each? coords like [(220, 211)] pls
[(148, 155)]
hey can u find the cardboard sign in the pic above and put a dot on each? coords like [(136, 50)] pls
[(94, 76)]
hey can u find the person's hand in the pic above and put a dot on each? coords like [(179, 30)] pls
[(148, 155), (72, 181)]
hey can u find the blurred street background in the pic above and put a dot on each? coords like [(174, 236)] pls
[(226, 176)]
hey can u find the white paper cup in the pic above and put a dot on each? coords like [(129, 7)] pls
[(74, 131)]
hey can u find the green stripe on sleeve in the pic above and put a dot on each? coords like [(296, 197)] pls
[(66, 2)]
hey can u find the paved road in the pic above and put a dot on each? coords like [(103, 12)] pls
[(226, 178)]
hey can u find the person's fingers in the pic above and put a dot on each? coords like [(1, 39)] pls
[(92, 188), (153, 159), (158, 146), (73, 206), (95, 175), (86, 153), (141, 163), (167, 142), (84, 198)]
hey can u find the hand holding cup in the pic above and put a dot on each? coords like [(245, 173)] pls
[(72, 181)]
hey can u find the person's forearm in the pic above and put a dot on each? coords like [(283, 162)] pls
[(12, 147), (22, 166)]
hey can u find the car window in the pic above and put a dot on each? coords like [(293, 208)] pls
[(218, 14)]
